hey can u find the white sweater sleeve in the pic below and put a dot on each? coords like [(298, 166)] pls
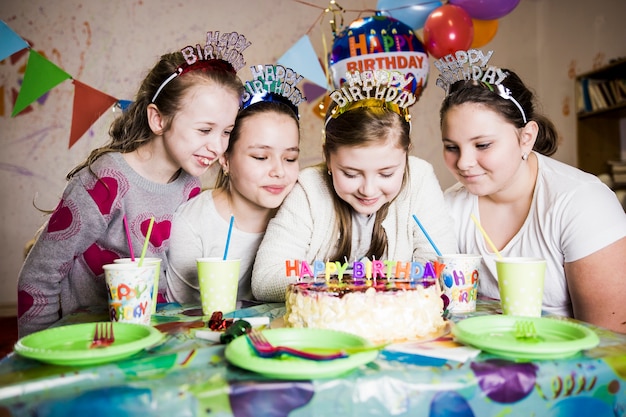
[(185, 248), (287, 237), (430, 208)]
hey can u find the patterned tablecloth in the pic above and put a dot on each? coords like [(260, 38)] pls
[(188, 376)]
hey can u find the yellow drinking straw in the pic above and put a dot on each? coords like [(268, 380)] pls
[(145, 244), (493, 247)]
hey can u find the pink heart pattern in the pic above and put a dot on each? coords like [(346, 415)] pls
[(160, 231), (194, 192), (192, 189), (104, 193), (61, 219), (95, 257), (64, 221), (27, 297), (24, 302)]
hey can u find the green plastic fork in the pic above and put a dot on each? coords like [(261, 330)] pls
[(525, 331)]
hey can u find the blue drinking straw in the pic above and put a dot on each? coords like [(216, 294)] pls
[(426, 234), (230, 231)]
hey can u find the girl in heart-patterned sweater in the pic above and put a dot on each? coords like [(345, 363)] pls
[(176, 128)]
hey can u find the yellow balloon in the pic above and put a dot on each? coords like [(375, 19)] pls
[(484, 31)]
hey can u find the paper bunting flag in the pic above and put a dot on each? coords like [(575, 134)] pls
[(40, 77), (313, 91), (302, 58), (124, 104), (27, 109), (89, 105), (10, 42)]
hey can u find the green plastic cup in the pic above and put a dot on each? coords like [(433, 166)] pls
[(157, 275), (218, 280), (520, 281)]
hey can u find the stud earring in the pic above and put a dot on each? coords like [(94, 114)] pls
[(524, 156), (329, 173)]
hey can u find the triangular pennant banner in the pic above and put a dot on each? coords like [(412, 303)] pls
[(40, 77), (302, 58), (124, 104), (89, 105), (14, 94), (10, 42), (313, 91)]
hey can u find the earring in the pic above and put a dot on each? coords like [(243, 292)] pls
[(225, 173), (329, 173), (524, 156)]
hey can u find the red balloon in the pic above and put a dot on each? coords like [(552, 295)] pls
[(448, 29)]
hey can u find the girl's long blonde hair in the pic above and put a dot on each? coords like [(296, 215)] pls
[(363, 127)]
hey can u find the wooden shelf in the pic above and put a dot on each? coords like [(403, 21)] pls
[(598, 129), (599, 112)]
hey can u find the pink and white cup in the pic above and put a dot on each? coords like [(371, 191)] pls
[(157, 274), (129, 289), (459, 281)]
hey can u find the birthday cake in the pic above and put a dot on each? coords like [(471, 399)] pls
[(382, 307)]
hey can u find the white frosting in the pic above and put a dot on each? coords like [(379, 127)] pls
[(380, 316)]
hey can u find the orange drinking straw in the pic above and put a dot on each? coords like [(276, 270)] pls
[(493, 247)]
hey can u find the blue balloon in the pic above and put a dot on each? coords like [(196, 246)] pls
[(379, 43), (412, 13)]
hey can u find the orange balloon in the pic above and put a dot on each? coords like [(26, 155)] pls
[(322, 106), (484, 31)]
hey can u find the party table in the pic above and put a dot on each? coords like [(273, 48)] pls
[(188, 376)]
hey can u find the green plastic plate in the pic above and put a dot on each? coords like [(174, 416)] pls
[(240, 353), (496, 334), (69, 345)]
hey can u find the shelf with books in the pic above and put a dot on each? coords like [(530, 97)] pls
[(601, 117), (603, 89)]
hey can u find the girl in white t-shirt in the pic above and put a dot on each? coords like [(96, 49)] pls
[(498, 147)]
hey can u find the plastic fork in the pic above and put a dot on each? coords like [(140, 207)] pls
[(525, 330), (103, 335), (265, 349)]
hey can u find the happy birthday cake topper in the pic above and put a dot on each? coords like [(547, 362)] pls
[(273, 83), (374, 88), (220, 53), (365, 270), (471, 66)]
